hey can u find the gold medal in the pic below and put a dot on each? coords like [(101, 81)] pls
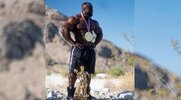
[(88, 36)]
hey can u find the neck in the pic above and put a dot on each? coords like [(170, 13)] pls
[(86, 18)]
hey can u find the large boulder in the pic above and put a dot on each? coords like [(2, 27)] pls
[(141, 79)]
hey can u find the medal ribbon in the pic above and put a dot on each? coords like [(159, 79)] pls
[(87, 23)]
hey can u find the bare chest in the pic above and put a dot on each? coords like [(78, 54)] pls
[(83, 27)]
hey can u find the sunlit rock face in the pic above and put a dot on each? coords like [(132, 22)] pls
[(22, 64)]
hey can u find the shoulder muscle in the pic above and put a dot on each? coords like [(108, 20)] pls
[(73, 20)]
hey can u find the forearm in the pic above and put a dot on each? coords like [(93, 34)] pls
[(66, 35), (98, 32), (98, 38), (69, 39), (67, 28)]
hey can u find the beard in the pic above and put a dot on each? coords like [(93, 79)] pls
[(87, 14)]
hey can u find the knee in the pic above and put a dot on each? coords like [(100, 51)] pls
[(72, 76)]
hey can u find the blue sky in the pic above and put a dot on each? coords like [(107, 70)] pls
[(154, 23), (157, 22)]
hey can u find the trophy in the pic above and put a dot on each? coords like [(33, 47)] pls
[(82, 84)]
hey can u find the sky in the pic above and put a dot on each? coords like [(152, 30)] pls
[(157, 22), (154, 24)]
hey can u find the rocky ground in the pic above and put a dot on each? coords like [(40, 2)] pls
[(102, 86)]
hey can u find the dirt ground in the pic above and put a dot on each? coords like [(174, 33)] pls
[(101, 82)]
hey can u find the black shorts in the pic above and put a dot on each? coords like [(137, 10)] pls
[(82, 57)]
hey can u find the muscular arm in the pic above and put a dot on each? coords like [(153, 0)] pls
[(67, 28), (98, 32)]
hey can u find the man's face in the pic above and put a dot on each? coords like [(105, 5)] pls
[(87, 10)]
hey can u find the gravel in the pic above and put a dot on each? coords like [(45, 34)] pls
[(103, 94)]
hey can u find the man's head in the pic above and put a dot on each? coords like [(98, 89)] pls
[(87, 9)]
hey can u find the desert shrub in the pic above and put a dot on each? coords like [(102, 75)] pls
[(131, 61), (179, 97), (179, 86), (100, 71), (147, 93), (116, 71), (97, 71), (162, 92)]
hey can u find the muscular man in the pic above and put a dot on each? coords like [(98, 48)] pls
[(82, 53)]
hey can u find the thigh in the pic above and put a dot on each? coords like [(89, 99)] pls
[(90, 63), (74, 64)]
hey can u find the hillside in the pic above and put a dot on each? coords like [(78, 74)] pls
[(152, 81)]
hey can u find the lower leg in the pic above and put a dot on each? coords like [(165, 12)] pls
[(88, 84), (71, 80), (88, 88)]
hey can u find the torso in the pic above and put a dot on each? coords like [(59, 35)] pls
[(80, 29)]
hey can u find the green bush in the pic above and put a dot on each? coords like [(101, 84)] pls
[(179, 87), (131, 61), (162, 92), (100, 71), (116, 71)]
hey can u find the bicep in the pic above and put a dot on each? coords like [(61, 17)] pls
[(69, 25), (98, 29), (66, 28)]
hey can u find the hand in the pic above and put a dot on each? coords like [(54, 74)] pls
[(78, 45), (75, 71), (92, 45)]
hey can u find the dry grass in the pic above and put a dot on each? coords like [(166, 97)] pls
[(122, 83), (128, 81)]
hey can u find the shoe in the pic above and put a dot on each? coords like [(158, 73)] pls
[(89, 96), (70, 91)]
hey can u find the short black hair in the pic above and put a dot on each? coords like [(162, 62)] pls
[(86, 3)]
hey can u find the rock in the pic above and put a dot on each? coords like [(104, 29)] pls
[(54, 95), (52, 31), (127, 95), (30, 96), (164, 78), (103, 94), (141, 78), (21, 38), (22, 64), (35, 7), (49, 60), (58, 16), (105, 52), (2, 5)]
